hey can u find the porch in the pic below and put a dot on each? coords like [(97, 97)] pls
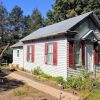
[(84, 53)]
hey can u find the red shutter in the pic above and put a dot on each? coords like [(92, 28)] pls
[(95, 53), (71, 54), (33, 53), (46, 52), (55, 53), (83, 53), (27, 54)]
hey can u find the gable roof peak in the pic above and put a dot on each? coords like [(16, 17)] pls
[(56, 28)]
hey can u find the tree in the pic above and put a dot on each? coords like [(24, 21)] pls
[(50, 18), (3, 21), (16, 22), (64, 9), (27, 22), (37, 20)]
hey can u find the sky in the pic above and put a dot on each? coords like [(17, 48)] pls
[(28, 5)]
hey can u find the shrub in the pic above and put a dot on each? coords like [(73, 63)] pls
[(69, 82), (44, 75), (59, 80), (81, 82), (37, 71), (96, 84), (19, 91)]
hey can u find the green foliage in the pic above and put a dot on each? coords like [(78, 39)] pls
[(37, 71), (39, 74), (82, 82), (64, 9), (44, 75), (96, 84), (19, 92), (37, 20), (94, 95), (59, 80)]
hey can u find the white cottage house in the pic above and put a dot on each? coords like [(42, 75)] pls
[(60, 49)]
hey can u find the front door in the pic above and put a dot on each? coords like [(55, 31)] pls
[(89, 57)]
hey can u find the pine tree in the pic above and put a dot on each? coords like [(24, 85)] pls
[(64, 9), (37, 20), (3, 21)]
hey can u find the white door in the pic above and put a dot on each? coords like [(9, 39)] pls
[(89, 57)]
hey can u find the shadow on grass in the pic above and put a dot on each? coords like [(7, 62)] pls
[(6, 83)]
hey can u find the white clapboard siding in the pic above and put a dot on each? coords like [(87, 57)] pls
[(98, 69), (73, 72), (55, 70), (18, 60)]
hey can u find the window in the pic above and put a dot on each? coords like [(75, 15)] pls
[(29, 48), (77, 52), (50, 54), (17, 53)]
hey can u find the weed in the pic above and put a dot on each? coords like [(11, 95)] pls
[(20, 91)]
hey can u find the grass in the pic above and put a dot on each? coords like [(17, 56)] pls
[(20, 91), (4, 66), (94, 95)]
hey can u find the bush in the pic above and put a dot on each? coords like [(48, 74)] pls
[(19, 92), (45, 76), (96, 84), (81, 82), (69, 82), (37, 71), (59, 80)]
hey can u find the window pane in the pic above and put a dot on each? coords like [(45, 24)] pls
[(77, 52), (50, 48), (29, 56), (77, 59), (30, 49), (50, 58), (17, 53), (29, 53)]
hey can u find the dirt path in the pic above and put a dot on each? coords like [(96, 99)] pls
[(44, 88)]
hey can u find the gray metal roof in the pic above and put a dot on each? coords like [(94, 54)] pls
[(56, 28), (18, 44)]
